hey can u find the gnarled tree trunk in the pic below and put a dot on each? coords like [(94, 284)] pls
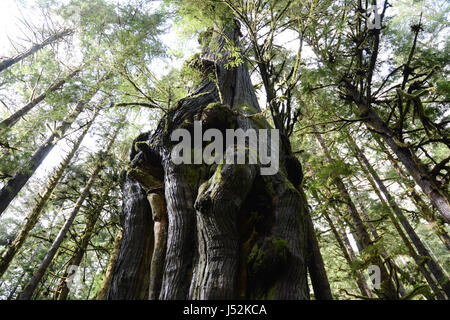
[(231, 232)]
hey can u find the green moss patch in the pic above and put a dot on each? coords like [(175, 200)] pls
[(266, 262)]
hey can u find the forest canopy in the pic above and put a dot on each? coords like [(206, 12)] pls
[(93, 205)]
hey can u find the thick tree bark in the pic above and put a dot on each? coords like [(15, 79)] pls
[(129, 278), (6, 63), (39, 273), (12, 119), (160, 234), (34, 215), (232, 233), (435, 268)]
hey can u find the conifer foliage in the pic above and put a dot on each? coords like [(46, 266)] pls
[(93, 205)]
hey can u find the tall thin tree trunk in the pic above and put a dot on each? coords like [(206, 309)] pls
[(389, 290), (430, 186), (21, 177), (437, 226), (316, 266), (37, 276), (6, 63), (62, 290), (13, 291), (360, 281), (375, 234), (417, 259), (12, 119), (434, 267), (35, 213), (101, 295)]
